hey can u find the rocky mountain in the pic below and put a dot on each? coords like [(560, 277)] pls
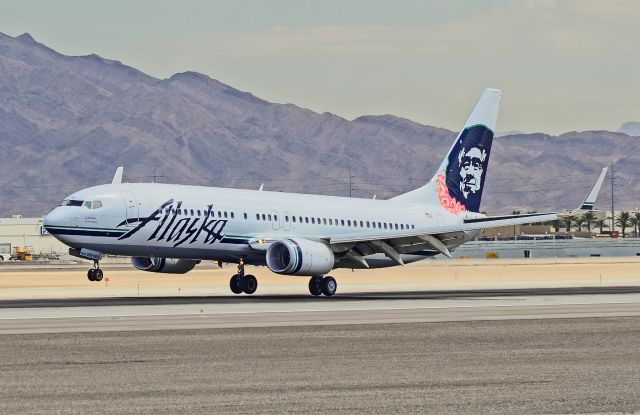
[(67, 122), (631, 128)]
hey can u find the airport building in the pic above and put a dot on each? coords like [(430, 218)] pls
[(18, 233)]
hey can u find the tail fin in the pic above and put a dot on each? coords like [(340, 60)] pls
[(458, 183)]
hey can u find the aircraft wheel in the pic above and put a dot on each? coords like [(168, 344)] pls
[(235, 283), (315, 286), (249, 284), (91, 274), (329, 286), (97, 275)]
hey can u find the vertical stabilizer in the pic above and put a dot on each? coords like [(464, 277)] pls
[(457, 185), (117, 178)]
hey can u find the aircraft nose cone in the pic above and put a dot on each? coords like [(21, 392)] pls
[(54, 218), (49, 219)]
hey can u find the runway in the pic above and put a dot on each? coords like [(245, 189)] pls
[(174, 313), (572, 350)]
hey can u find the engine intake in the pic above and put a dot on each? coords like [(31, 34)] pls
[(299, 257), (164, 265)]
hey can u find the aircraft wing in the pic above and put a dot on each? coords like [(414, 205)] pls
[(358, 245)]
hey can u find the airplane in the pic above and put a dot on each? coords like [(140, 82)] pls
[(167, 228)]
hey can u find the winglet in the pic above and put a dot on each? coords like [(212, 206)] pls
[(590, 200), (117, 178)]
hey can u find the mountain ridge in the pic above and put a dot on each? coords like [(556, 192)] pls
[(67, 122)]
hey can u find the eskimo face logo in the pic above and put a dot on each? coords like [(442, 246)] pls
[(471, 164), (461, 187)]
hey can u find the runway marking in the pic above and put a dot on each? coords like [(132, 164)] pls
[(178, 313)]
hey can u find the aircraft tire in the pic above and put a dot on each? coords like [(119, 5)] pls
[(91, 275), (315, 286), (98, 274), (329, 286), (249, 284), (235, 283)]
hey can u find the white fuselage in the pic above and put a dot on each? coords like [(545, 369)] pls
[(192, 222)]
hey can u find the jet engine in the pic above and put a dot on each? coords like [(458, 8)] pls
[(164, 265), (299, 257)]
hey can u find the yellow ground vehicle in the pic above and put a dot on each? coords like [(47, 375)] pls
[(22, 253)]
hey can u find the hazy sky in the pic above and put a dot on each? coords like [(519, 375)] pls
[(563, 65)]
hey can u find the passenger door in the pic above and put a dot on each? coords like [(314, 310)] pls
[(275, 220), (132, 208)]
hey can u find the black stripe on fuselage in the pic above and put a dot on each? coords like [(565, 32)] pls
[(236, 241), (489, 219), (84, 232)]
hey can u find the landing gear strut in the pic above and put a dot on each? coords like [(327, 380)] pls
[(320, 285), (95, 273), (241, 283)]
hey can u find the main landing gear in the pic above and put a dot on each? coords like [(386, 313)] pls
[(323, 285), (95, 273), (241, 283)]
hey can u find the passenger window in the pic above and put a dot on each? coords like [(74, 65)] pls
[(264, 217), (385, 225), (342, 222), (413, 226), (306, 219), (269, 216), (293, 219), (324, 221), (300, 219), (348, 222), (257, 216), (245, 215), (330, 221), (401, 227), (313, 220), (179, 211), (232, 215), (286, 218), (368, 224), (361, 224), (336, 222), (219, 214), (275, 217)]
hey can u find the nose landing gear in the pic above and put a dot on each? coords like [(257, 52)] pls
[(95, 273), (241, 283)]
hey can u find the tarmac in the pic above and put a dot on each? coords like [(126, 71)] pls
[(551, 339)]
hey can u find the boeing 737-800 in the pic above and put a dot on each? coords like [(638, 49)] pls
[(171, 228)]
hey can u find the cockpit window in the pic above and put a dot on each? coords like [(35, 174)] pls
[(89, 204)]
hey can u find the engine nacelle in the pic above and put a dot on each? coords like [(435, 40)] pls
[(164, 265), (299, 257)]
